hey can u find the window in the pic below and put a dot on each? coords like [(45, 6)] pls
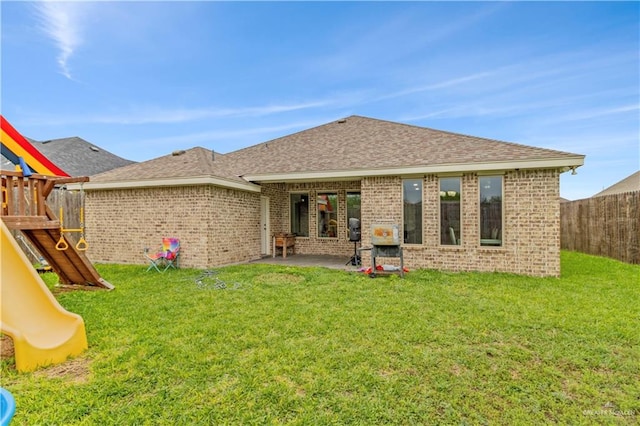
[(353, 205), (354, 216), (412, 197), (490, 210), (300, 215), (327, 215), (450, 211)]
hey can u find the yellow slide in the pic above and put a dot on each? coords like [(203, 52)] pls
[(43, 332)]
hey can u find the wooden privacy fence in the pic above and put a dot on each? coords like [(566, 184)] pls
[(604, 226), (71, 202)]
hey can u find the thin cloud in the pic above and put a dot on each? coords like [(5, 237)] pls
[(60, 22), (597, 113), (497, 106), (263, 134), (153, 115), (494, 81), (158, 115), (372, 44), (436, 35), (436, 86), (595, 146)]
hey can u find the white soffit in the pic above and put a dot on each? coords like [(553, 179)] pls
[(154, 183), (562, 163)]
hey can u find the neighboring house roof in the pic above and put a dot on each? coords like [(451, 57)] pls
[(349, 148), (76, 156), (628, 184)]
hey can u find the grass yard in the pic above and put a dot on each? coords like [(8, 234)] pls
[(283, 345)]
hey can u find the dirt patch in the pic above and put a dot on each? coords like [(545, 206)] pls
[(277, 278), (73, 370), (6, 347), (66, 288)]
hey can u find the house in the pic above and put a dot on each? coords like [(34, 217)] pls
[(75, 156), (629, 184), (462, 203)]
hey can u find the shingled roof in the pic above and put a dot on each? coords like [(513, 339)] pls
[(629, 184), (76, 156), (352, 147), (366, 146), (193, 166)]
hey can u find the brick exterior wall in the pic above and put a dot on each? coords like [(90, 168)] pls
[(234, 227), (278, 206), (280, 212), (216, 226), (219, 226), (531, 224)]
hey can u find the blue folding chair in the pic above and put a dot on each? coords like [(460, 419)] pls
[(166, 257)]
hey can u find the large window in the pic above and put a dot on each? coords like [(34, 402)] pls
[(353, 212), (450, 211), (300, 214), (412, 201), (490, 210), (327, 215)]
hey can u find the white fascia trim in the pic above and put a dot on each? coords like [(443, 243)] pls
[(154, 183), (563, 163)]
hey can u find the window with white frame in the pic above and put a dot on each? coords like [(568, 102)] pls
[(327, 214), (299, 214), (450, 198), (412, 210), (490, 210), (353, 205)]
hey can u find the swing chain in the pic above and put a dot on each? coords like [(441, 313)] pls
[(82, 244)]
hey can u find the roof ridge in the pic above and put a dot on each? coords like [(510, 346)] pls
[(337, 120), (449, 132)]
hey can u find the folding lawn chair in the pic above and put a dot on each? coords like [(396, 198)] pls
[(166, 257)]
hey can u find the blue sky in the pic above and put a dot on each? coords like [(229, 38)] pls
[(142, 79)]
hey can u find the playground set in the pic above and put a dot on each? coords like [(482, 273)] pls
[(43, 332)]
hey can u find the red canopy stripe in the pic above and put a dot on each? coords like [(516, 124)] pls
[(19, 146)]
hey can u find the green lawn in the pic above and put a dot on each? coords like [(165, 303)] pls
[(283, 345)]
